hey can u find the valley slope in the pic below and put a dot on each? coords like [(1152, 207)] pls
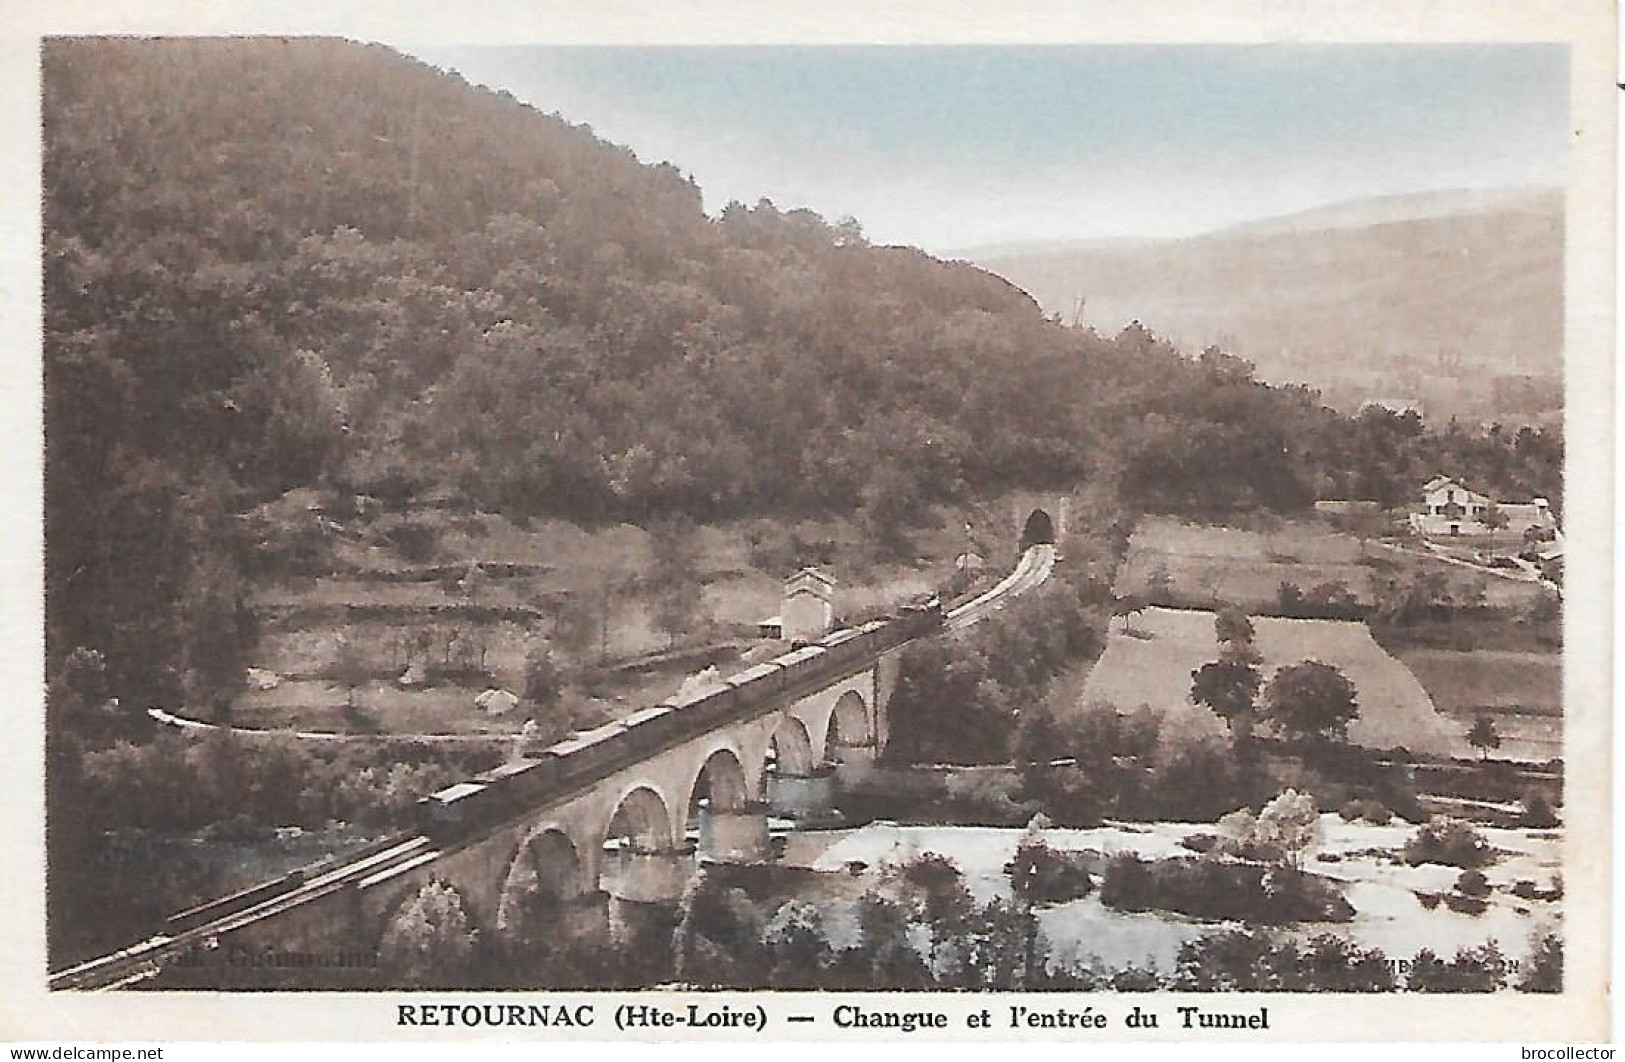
[(1451, 299)]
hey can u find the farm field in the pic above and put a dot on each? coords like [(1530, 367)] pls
[(1521, 692), (1150, 662), (1466, 681), (1209, 564)]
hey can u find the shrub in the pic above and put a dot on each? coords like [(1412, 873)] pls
[(1238, 838), (1136, 979), (1204, 888), (1371, 811), (415, 540), (1249, 961), (1538, 813), (1127, 885), (1473, 883), (1040, 874), (430, 941), (1451, 842), (1525, 889), (1332, 964), (1200, 843), (1481, 969), (1467, 905), (1543, 970)]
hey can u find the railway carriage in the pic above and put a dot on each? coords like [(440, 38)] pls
[(464, 808)]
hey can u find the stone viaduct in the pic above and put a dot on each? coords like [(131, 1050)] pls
[(607, 859)]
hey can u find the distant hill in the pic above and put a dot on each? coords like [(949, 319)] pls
[(1452, 299)]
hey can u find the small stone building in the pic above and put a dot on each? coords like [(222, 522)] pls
[(809, 605)]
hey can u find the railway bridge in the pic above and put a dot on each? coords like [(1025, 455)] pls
[(603, 852)]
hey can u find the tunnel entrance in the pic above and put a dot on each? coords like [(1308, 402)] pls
[(1039, 530)]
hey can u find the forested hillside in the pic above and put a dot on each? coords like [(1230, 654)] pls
[(276, 264)]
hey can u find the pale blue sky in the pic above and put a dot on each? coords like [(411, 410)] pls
[(952, 147)]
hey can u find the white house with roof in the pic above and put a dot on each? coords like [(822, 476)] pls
[(1450, 509)]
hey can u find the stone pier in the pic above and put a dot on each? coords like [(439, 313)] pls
[(734, 836), (645, 894), (806, 798)]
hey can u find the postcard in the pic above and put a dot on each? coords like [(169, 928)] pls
[(1046, 524)]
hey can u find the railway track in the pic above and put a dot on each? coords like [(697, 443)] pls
[(143, 960), (1033, 568)]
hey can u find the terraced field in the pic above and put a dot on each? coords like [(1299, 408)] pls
[(479, 591)]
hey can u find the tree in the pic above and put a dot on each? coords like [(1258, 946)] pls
[(1290, 825), (946, 708), (1411, 596), (884, 950), (1366, 525), (1232, 626), (1453, 842), (1542, 971), (718, 941), (1334, 964), (430, 941), (1331, 598), (1128, 606), (1535, 534), (672, 579), (1480, 969), (1311, 700), (1483, 736), (543, 682), (1229, 688), (1159, 585), (934, 893), (78, 699), (795, 938), (1289, 598), (891, 503), (1237, 960), (1000, 948), (350, 667), (1494, 518), (577, 625)]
